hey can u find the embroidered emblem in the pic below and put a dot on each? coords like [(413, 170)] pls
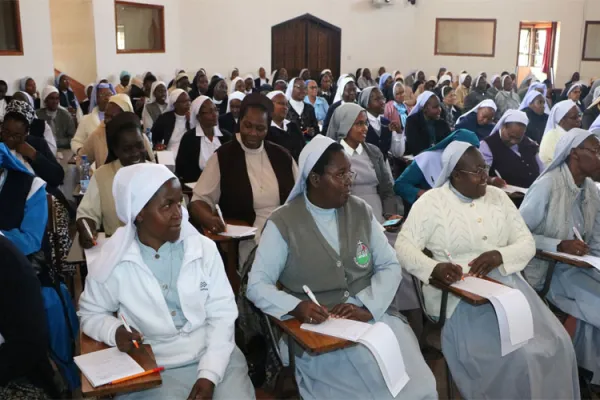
[(203, 286), (363, 255)]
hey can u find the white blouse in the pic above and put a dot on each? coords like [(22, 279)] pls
[(178, 131), (207, 146)]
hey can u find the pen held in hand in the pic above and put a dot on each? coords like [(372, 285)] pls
[(135, 343), (577, 234), (89, 231), (462, 278)]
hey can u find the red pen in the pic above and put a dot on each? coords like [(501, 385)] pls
[(149, 372)]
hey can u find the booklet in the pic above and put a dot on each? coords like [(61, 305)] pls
[(104, 366)]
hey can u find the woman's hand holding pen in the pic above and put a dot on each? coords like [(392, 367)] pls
[(351, 311), (125, 339), (307, 311)]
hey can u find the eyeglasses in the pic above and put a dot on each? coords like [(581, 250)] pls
[(361, 124), (345, 176), (313, 87), (481, 171)]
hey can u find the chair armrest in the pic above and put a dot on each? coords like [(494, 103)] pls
[(544, 255), (312, 342)]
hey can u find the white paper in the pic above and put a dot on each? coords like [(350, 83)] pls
[(514, 189), (165, 158), (515, 320), (378, 338), (94, 252), (592, 260), (191, 185), (237, 231), (104, 366)]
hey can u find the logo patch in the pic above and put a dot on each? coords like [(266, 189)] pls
[(203, 286), (363, 255)]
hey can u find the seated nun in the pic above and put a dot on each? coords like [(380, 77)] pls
[(29, 86), (496, 85), (157, 261), (346, 93), (563, 117), (534, 105), (319, 103), (379, 129), (397, 111), (299, 112), (486, 236), (326, 86), (68, 99), (125, 143), (592, 113), (563, 199), (217, 92), (424, 127), (124, 80), (479, 120), (506, 99), (510, 154), (386, 82), (477, 94), (201, 141), (249, 83), (95, 147), (574, 94), (199, 85), (156, 105), (285, 133), (248, 177), (58, 118), (463, 89), (365, 80), (451, 111), (231, 120), (170, 127), (101, 93), (38, 127), (237, 85), (319, 203)]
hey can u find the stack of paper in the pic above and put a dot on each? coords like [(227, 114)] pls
[(515, 320), (236, 231), (94, 252), (593, 261), (378, 338), (166, 158), (104, 366), (514, 189)]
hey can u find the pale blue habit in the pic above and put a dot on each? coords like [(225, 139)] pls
[(351, 373)]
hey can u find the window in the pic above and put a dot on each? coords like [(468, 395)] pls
[(11, 43), (532, 42), (139, 28), (591, 41), (465, 37)]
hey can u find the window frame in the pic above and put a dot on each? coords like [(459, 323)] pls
[(161, 10), (585, 38), (437, 32), (20, 51)]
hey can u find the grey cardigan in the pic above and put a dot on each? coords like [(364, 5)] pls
[(385, 188)]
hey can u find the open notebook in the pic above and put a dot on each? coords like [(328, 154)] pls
[(513, 313), (104, 366), (236, 231), (378, 338)]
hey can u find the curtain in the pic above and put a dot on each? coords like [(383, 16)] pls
[(546, 62)]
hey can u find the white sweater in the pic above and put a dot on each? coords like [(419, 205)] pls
[(207, 303), (87, 125), (440, 221)]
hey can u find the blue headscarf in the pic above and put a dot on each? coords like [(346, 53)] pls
[(382, 80), (23, 83), (93, 102), (8, 161), (123, 74), (57, 82)]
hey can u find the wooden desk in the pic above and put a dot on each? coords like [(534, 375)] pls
[(556, 258), (312, 342), (232, 247), (469, 297), (144, 356)]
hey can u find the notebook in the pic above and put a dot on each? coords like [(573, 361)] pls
[(166, 158), (94, 252), (515, 320), (514, 189), (104, 366), (378, 338), (236, 231)]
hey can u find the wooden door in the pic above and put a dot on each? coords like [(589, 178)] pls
[(306, 42)]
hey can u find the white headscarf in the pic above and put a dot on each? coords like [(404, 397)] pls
[(511, 116), (298, 106), (485, 103), (132, 188), (538, 85), (341, 78), (173, 96), (565, 144), (274, 93), (595, 127), (421, 101), (496, 77), (530, 97), (444, 78), (450, 157), (461, 78), (341, 87), (195, 109), (233, 82), (557, 113), (477, 80), (290, 89), (306, 162), (573, 86), (153, 88), (234, 96), (48, 90)]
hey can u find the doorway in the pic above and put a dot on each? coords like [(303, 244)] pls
[(537, 50), (306, 42)]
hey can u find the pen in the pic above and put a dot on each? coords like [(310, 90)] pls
[(432, 180), (498, 174), (149, 372), (310, 295), (135, 343), (577, 234), (89, 231), (221, 216), (462, 278)]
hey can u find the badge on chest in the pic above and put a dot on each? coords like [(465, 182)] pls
[(363, 255)]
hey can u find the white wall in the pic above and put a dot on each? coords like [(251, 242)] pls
[(109, 63), (36, 60), (400, 36)]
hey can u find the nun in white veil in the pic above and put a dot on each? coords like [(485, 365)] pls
[(564, 198), (341, 96), (485, 235), (319, 201), (563, 117)]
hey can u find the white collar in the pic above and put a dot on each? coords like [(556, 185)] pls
[(298, 106), (180, 117), (350, 150), (200, 131), (248, 150), (374, 121), (217, 102), (285, 124)]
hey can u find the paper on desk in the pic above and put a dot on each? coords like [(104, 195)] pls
[(592, 260), (236, 231), (94, 252), (165, 157), (378, 338), (515, 321), (514, 189), (104, 366), (191, 185)]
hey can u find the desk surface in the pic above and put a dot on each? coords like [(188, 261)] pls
[(220, 238), (313, 342), (144, 356), (469, 297), (554, 257)]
